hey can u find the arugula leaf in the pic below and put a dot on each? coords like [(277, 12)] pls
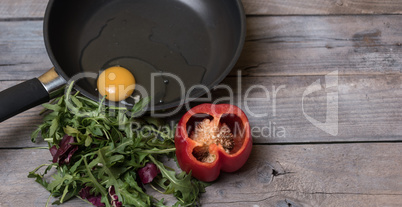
[(139, 106)]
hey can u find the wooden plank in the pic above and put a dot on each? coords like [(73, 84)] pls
[(23, 9), (24, 191), (282, 46), (275, 175), (16, 131), (313, 175), (317, 7), (276, 46), (369, 109), (22, 50), (36, 8)]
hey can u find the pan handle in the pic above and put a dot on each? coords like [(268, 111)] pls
[(29, 94)]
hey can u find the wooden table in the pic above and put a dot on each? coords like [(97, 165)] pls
[(356, 44)]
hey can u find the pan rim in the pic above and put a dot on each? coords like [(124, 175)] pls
[(229, 67)]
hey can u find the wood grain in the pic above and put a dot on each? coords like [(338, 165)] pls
[(369, 108), (20, 9), (285, 46), (303, 175), (12, 9), (22, 50), (313, 175), (319, 7)]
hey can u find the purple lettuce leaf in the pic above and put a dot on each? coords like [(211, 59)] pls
[(148, 173), (65, 151), (95, 200)]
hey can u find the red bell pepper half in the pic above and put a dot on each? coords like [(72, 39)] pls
[(210, 138)]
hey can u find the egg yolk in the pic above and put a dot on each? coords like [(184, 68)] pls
[(116, 83)]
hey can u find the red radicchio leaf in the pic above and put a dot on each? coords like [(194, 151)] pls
[(95, 200), (84, 192), (115, 198), (148, 173), (65, 159), (53, 152), (65, 151)]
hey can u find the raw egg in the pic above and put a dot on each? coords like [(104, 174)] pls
[(116, 83)]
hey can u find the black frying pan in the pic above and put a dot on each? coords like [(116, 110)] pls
[(195, 41)]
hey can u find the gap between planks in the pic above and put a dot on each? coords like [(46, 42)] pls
[(255, 144)]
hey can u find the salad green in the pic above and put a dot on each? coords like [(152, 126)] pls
[(98, 152)]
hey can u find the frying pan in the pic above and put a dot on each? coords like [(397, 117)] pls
[(169, 45)]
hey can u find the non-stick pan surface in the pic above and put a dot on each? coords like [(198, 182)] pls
[(181, 42)]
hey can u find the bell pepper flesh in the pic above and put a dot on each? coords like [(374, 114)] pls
[(223, 160)]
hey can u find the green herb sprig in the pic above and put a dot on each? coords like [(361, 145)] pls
[(113, 144)]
